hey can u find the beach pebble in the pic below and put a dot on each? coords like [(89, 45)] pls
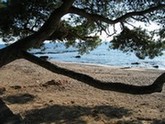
[(135, 63), (16, 87), (52, 82), (44, 57), (2, 90), (72, 102), (156, 66), (78, 56)]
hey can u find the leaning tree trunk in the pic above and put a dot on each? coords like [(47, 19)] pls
[(15, 50), (19, 48)]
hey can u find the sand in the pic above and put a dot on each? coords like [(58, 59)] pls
[(42, 97)]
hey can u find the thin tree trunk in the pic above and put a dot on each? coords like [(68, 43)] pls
[(118, 87), (13, 51), (9, 54)]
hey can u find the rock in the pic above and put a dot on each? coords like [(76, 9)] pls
[(2, 90), (50, 101), (135, 63), (44, 57), (52, 82), (78, 56), (156, 66), (58, 85), (16, 87), (72, 102)]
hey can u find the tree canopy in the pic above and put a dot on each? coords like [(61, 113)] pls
[(79, 23), (85, 20)]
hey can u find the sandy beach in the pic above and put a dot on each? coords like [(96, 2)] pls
[(43, 97)]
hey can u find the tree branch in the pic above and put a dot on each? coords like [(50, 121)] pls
[(118, 87), (49, 27), (96, 17), (12, 52)]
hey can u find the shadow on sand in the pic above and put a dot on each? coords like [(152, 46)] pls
[(73, 114), (19, 98)]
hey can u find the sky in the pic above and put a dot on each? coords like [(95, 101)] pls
[(151, 27)]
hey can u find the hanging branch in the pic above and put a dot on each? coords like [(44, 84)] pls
[(96, 17), (118, 87)]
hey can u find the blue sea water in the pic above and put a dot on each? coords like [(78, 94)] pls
[(102, 55)]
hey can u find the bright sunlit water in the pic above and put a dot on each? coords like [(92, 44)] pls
[(102, 55)]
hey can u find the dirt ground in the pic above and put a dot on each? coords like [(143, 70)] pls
[(42, 97)]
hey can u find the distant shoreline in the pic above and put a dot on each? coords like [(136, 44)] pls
[(108, 66), (100, 56)]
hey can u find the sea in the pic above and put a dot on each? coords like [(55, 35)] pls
[(102, 55)]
